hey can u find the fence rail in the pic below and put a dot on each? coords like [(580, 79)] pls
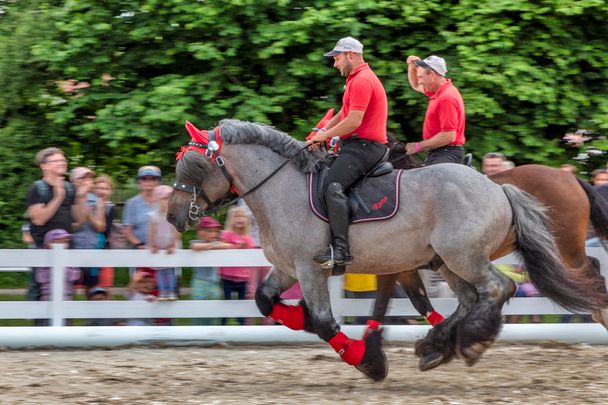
[(58, 310)]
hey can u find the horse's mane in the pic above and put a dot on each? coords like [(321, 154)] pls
[(241, 132)]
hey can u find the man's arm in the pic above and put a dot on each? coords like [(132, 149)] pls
[(333, 121), (442, 138), (412, 73), (41, 213), (347, 125)]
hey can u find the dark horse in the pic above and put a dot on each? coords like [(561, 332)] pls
[(570, 203)]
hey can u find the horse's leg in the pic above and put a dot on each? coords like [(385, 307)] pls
[(267, 298), (478, 330), (385, 289), (438, 346), (594, 269), (412, 284), (365, 354)]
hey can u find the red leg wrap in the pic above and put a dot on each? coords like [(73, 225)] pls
[(291, 316), (434, 318), (371, 326), (350, 350)]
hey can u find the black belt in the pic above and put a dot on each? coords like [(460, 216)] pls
[(452, 147)]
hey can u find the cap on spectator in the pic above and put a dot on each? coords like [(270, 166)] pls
[(348, 44), (80, 172), (161, 192), (148, 171), (208, 222), (56, 234), (435, 63), (146, 273), (97, 290)]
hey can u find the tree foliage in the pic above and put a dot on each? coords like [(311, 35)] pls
[(529, 71)]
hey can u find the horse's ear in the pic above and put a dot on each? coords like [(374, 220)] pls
[(196, 134)]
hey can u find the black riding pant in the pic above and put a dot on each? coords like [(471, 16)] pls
[(445, 154), (356, 158)]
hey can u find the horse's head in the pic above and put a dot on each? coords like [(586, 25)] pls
[(201, 179)]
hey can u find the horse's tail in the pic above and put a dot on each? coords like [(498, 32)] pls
[(541, 258), (599, 210)]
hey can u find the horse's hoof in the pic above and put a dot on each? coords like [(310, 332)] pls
[(430, 361), (473, 353), (374, 363)]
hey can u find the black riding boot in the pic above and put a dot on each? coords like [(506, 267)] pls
[(337, 253)]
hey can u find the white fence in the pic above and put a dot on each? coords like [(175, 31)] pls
[(57, 310)]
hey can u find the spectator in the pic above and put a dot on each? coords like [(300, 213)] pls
[(43, 274), (52, 203), (360, 286), (599, 177), (258, 274), (568, 168), (87, 234), (492, 163), (138, 209), (234, 279), (101, 294), (163, 236), (524, 289), (104, 187), (142, 287), (444, 121), (205, 283)]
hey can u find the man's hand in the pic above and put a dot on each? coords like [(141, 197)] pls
[(58, 188), (410, 148), (411, 59)]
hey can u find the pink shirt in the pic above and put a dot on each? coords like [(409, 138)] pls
[(236, 273)]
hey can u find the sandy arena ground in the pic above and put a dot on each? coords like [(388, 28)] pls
[(311, 374)]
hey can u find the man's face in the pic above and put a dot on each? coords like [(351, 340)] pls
[(56, 165), (492, 166), (427, 79), (147, 183), (342, 62)]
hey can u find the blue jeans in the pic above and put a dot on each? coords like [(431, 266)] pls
[(165, 278), (240, 287)]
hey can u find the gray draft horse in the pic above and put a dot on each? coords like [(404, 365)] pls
[(449, 214)]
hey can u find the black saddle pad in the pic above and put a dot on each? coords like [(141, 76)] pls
[(370, 199)]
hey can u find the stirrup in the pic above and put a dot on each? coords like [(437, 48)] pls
[(326, 264)]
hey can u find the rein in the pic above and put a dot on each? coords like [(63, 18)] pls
[(212, 148)]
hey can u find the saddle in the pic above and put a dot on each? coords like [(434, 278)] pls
[(374, 197)]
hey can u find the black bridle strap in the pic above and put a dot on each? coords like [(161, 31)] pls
[(233, 198)]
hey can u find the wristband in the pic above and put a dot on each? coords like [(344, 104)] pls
[(139, 244), (319, 129), (418, 147)]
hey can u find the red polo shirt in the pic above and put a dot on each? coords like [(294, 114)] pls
[(364, 92), (445, 112)]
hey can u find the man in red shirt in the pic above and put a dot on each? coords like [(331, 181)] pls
[(444, 121), (361, 127)]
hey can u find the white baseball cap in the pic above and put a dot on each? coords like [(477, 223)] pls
[(348, 44), (434, 63)]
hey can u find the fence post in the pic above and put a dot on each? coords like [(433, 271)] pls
[(58, 260), (336, 295)]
